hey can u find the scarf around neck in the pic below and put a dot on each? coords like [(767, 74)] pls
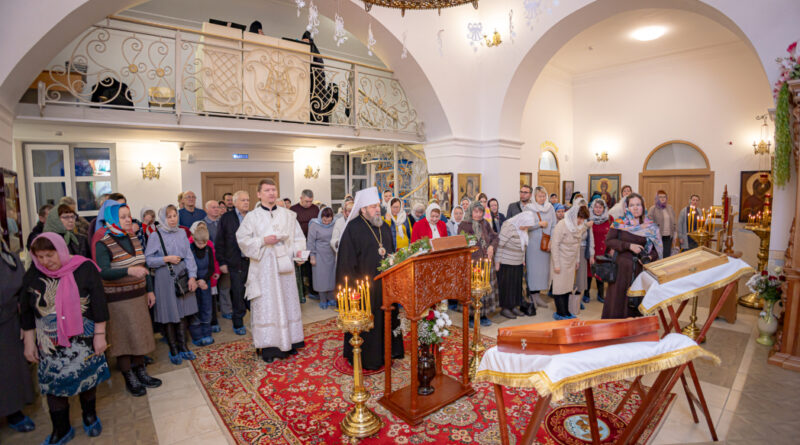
[(53, 224), (647, 229), (111, 218), (162, 222), (318, 219), (603, 217), (69, 320), (571, 217)]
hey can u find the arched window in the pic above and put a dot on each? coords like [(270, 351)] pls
[(676, 155), (548, 161)]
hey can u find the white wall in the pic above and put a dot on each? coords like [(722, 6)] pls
[(317, 157), (548, 116), (215, 158), (708, 97), (140, 192)]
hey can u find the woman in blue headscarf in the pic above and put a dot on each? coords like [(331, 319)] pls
[(129, 291)]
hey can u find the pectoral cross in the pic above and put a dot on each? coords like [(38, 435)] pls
[(524, 343)]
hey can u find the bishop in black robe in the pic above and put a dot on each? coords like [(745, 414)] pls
[(358, 258)]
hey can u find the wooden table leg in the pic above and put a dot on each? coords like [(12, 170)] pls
[(636, 386), (542, 405), (689, 398), (589, 395), (664, 382), (501, 413), (703, 403)]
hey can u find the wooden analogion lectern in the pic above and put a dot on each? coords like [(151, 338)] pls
[(417, 284)]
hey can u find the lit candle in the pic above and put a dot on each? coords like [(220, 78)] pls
[(369, 299)]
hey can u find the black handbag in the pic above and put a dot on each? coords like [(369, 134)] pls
[(181, 280), (605, 268)]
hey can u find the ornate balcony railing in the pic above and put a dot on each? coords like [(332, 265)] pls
[(134, 65)]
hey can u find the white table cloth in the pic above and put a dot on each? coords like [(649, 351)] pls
[(561, 374), (658, 295)]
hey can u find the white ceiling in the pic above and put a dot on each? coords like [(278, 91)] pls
[(611, 43), (278, 18)]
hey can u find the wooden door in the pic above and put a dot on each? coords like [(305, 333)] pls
[(215, 184), (679, 185), (550, 180)]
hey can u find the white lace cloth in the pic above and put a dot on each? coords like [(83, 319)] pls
[(658, 295), (560, 374)]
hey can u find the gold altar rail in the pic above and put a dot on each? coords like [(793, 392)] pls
[(131, 64)]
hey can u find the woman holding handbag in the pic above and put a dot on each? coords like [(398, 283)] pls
[(631, 237), (537, 255), (170, 255)]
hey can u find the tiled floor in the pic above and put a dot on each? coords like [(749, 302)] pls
[(750, 401)]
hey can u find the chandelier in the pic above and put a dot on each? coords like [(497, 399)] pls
[(402, 5), (762, 147)]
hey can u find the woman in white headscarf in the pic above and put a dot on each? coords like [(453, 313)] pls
[(432, 226), (456, 216), (397, 219), (537, 260), (510, 260), (565, 257)]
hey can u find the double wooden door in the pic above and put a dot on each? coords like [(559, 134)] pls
[(550, 180), (216, 184), (679, 185)]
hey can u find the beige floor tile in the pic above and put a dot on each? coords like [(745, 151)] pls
[(172, 380), (166, 402), (185, 424), (212, 438)]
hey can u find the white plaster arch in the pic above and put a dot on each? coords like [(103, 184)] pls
[(527, 72), (39, 28)]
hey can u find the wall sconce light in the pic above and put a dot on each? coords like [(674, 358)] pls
[(762, 147), (602, 157), (311, 173), (494, 41), (151, 172)]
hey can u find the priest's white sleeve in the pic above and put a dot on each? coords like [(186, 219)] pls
[(299, 239), (248, 238)]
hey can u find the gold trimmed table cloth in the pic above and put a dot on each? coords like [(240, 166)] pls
[(658, 296), (561, 374)]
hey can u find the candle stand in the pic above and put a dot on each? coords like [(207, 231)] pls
[(703, 238)]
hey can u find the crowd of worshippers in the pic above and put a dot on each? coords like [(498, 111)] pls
[(107, 286)]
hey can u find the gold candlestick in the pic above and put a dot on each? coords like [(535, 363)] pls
[(480, 287), (702, 237), (360, 421), (761, 226)]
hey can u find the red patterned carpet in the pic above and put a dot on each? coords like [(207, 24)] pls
[(302, 400)]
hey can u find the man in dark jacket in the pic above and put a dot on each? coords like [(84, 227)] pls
[(231, 259), (39, 227), (524, 199)]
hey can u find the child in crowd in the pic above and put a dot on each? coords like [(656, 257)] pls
[(207, 274)]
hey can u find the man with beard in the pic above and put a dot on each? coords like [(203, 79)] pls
[(365, 241)]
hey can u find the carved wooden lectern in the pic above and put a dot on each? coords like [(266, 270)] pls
[(417, 284)]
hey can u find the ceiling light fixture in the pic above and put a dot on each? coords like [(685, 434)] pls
[(648, 33)]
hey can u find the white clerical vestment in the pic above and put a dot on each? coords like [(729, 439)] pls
[(271, 285)]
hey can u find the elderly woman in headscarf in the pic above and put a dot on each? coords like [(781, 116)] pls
[(487, 245), (417, 213), (566, 256), (601, 224), (510, 262), (149, 224), (16, 388), (634, 238), (456, 217), (170, 254), (431, 226), (537, 261), (97, 230), (62, 222), (63, 316), (323, 257), (129, 291), (397, 219)]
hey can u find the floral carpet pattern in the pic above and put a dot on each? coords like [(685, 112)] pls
[(303, 399)]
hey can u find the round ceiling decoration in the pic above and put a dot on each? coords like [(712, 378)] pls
[(402, 5)]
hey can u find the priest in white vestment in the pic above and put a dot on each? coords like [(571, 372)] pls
[(271, 237)]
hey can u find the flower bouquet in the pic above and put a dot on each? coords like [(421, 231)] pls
[(418, 247), (767, 286), (433, 329)]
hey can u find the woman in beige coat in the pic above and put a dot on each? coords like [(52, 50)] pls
[(565, 255)]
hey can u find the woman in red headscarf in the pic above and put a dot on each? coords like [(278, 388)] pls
[(64, 313)]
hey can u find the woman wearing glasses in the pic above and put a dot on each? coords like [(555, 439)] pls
[(62, 221)]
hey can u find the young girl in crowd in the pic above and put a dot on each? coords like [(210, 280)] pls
[(565, 257), (170, 254), (207, 274), (601, 223)]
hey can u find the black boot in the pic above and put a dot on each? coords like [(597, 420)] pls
[(174, 353), (601, 291), (180, 336), (133, 385), (62, 431), (141, 373)]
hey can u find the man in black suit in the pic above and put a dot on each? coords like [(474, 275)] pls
[(524, 199), (230, 256)]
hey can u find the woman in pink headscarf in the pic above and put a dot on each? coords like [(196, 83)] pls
[(64, 313)]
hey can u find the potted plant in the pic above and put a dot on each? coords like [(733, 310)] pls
[(768, 288), (432, 330)]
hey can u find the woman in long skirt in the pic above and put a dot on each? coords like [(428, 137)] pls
[(322, 257), (510, 261), (487, 244), (537, 260), (64, 313), (169, 253)]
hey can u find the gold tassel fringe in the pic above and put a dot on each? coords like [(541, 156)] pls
[(559, 390)]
